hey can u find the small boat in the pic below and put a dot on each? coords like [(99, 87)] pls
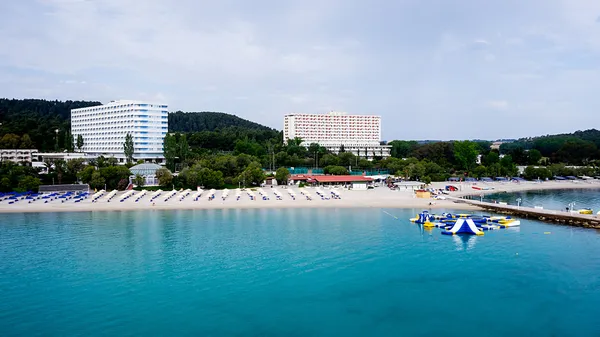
[(585, 211)]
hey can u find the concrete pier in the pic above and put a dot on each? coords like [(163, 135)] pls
[(566, 218)]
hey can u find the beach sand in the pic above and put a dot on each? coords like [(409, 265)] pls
[(380, 197)]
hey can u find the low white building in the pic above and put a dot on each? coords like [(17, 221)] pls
[(18, 155)]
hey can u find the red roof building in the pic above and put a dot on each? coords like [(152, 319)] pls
[(341, 179)]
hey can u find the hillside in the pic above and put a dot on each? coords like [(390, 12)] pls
[(209, 121), (40, 118), (575, 148), (37, 118)]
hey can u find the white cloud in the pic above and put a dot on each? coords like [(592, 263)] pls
[(498, 105), (263, 59)]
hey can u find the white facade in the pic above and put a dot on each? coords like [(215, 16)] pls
[(359, 134), (18, 155), (104, 128)]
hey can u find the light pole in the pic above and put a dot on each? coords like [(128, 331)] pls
[(56, 146), (518, 202)]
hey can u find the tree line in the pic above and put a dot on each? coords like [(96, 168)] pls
[(578, 148)]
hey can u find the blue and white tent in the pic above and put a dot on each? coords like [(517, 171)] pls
[(464, 226)]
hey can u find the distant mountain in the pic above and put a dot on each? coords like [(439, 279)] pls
[(38, 119), (209, 121)]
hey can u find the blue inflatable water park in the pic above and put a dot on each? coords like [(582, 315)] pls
[(469, 224)]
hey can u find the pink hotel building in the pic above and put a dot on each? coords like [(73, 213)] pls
[(360, 134)]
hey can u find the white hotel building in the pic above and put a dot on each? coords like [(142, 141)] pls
[(104, 128), (359, 134)]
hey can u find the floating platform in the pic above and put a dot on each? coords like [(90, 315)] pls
[(561, 217)]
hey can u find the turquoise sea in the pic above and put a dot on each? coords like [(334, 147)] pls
[(291, 272), (551, 199)]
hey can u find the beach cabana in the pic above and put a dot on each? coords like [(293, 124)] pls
[(184, 194), (140, 195), (170, 195), (155, 195), (110, 195), (126, 195), (292, 194), (196, 195), (211, 194)]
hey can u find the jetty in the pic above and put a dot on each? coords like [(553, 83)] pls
[(560, 217)]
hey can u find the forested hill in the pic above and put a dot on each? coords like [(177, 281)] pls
[(38, 119), (573, 148), (209, 121)]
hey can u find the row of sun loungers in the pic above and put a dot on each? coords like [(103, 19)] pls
[(102, 195)]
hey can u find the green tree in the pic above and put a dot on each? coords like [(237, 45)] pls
[(533, 157), (415, 171), (209, 178), (69, 143), (10, 141), (491, 158), (128, 148), (79, 142), (139, 180), (402, 149), (184, 148), (282, 175), (170, 150), (164, 176), (480, 171), (5, 184), (329, 160), (466, 153), (533, 173), (29, 183), (347, 159), (365, 164), (253, 175), (313, 149), (26, 142), (113, 176), (97, 181), (74, 166), (85, 175), (335, 170)]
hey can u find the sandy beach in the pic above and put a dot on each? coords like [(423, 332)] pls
[(466, 188), (380, 197)]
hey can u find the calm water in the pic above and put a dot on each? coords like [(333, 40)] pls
[(291, 273), (552, 199)]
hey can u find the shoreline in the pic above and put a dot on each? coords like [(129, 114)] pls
[(380, 197), (467, 188)]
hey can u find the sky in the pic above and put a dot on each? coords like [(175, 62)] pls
[(432, 69)]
